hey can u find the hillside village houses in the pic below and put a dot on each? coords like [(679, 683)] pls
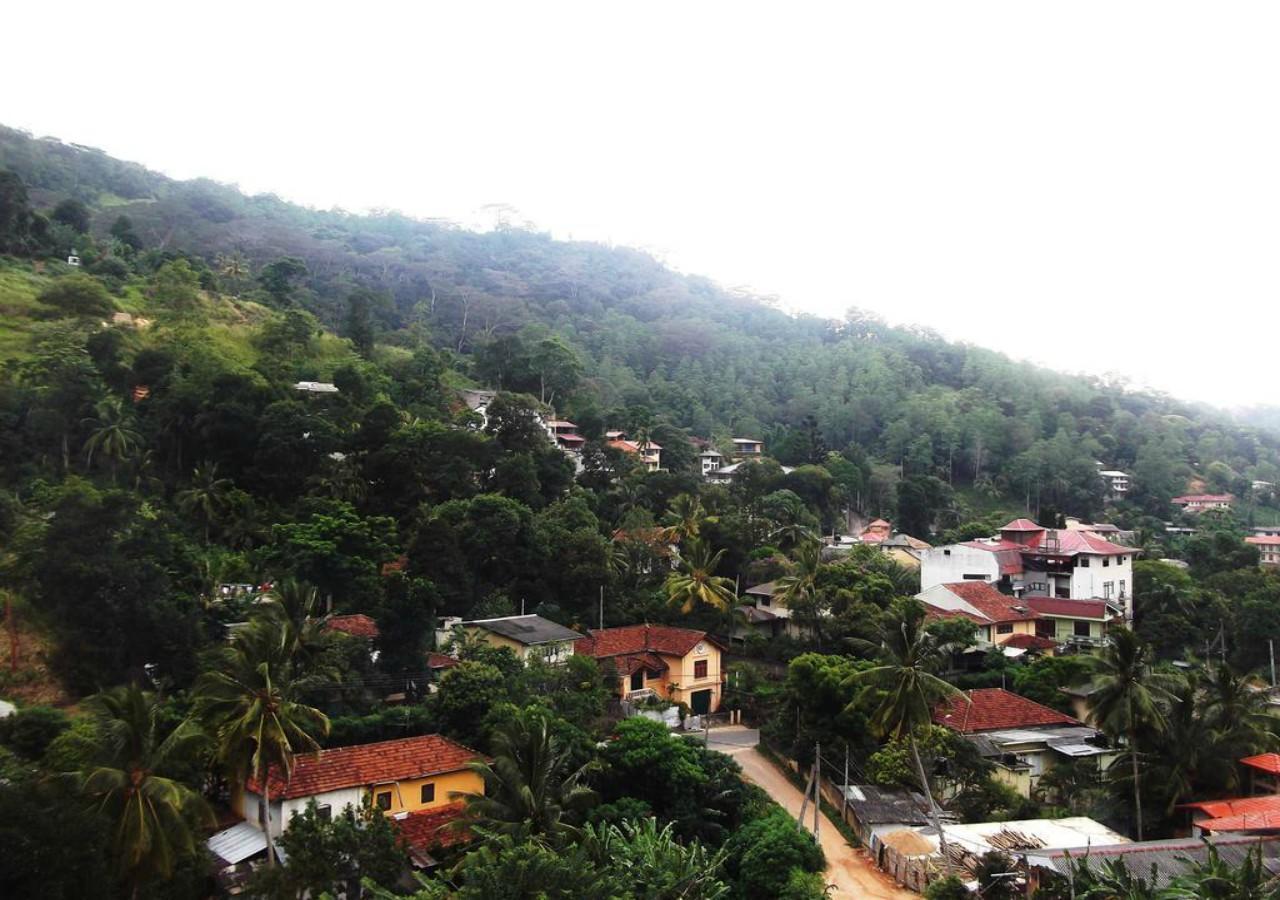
[(527, 636), (1194, 503), (1027, 560), (1268, 548), (660, 661), (1020, 625), (416, 781)]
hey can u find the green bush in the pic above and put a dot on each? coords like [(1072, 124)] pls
[(30, 731), (949, 888), (762, 854), (802, 885), (78, 295)]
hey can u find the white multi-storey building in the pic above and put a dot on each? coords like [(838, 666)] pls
[(1030, 561)]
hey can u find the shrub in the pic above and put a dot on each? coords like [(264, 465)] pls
[(802, 885), (30, 731), (763, 853), (78, 295)]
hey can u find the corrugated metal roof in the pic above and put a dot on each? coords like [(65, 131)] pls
[(1170, 858), (237, 843)]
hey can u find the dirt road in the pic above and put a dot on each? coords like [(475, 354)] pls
[(852, 873)]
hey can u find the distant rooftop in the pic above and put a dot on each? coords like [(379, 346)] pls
[(527, 630)]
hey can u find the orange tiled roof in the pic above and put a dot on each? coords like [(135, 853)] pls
[(1029, 642), (1263, 762), (1262, 821), (997, 607), (368, 764), (357, 625), (440, 661), (1062, 606), (1237, 806), (991, 709), (628, 639), (425, 829)]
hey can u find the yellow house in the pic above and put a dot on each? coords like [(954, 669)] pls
[(402, 777), (677, 664), (526, 636)]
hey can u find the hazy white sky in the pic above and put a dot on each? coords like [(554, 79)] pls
[(1094, 186)]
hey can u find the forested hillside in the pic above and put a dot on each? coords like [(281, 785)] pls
[(609, 335), (182, 513)]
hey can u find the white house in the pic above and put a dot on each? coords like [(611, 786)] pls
[(748, 448), (711, 461), (316, 387), (1031, 561), (1117, 482)]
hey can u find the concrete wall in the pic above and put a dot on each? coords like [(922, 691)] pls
[(944, 565)]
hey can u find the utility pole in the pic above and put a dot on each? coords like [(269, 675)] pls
[(817, 786), (804, 804), (602, 607), (844, 788)]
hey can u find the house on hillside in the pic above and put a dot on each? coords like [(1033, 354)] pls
[(765, 611), (316, 387), (1268, 548), (676, 664), (1117, 483), (711, 460), (650, 454), (999, 617), (402, 777), (1195, 503), (1024, 739), (726, 474), (1028, 560), (528, 637), (904, 549), (747, 448)]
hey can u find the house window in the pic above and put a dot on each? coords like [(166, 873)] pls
[(1108, 588), (765, 601), (1106, 561), (946, 552), (700, 669), (1081, 629), (1121, 588), (975, 577), (1004, 628), (325, 812), (1046, 628), (1082, 562), (637, 679), (428, 793), (382, 799)]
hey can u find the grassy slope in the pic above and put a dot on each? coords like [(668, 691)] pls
[(229, 332)]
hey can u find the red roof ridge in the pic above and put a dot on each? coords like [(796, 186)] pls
[(994, 709)]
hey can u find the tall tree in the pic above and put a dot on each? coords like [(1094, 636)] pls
[(113, 434), (695, 581), (153, 818), (1126, 700), (909, 658), (250, 704), (530, 787)]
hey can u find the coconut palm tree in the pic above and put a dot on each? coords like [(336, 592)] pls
[(235, 268), (153, 818), (113, 434), (207, 497), (799, 589), (295, 606), (685, 518), (250, 704), (1239, 711), (1126, 699), (909, 658), (695, 581), (529, 788)]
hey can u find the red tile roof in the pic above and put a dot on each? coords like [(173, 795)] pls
[(1239, 806), (1075, 609), (992, 709), (357, 625), (1203, 498), (1263, 821), (637, 639), (629, 663), (571, 438), (1029, 642), (1263, 762), (1022, 525), (368, 764), (440, 661), (1263, 540), (425, 829), (997, 607)]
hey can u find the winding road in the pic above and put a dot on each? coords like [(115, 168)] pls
[(849, 872)]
